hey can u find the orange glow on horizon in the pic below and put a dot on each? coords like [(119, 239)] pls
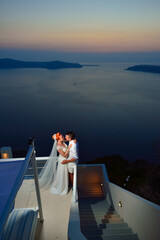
[(81, 26), (84, 40)]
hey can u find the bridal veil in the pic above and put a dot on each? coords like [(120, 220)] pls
[(47, 174)]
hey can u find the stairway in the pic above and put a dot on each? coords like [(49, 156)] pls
[(99, 220)]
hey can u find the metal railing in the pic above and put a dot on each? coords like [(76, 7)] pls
[(41, 161), (75, 193), (34, 170), (34, 164), (31, 157)]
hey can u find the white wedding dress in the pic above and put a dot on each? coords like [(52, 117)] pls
[(60, 182), (53, 175)]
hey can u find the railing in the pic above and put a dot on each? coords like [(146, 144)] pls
[(31, 157), (29, 173), (40, 161), (34, 164), (75, 194), (40, 164)]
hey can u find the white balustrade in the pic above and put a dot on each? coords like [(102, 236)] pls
[(75, 195)]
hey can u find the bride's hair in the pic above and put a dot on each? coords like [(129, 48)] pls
[(71, 135), (56, 136)]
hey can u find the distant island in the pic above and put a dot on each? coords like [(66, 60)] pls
[(8, 63), (145, 68)]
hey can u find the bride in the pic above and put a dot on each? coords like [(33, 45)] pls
[(60, 182), (54, 175)]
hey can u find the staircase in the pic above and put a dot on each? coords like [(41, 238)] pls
[(98, 218)]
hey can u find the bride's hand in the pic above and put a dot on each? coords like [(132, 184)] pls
[(67, 151), (64, 162)]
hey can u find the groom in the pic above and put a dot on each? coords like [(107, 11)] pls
[(73, 154)]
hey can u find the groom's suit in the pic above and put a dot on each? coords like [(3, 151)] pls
[(73, 153)]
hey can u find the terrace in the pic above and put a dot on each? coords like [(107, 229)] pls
[(99, 210)]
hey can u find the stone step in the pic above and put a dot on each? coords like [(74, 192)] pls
[(101, 221), (92, 195), (98, 215), (91, 186), (111, 212), (92, 216), (100, 205), (113, 220), (91, 208), (130, 236), (97, 189), (113, 225), (93, 203), (96, 205), (117, 231), (107, 231), (96, 210), (116, 215), (87, 190), (105, 209), (90, 190), (104, 226), (90, 200)]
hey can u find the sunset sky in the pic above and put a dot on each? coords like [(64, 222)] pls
[(80, 26)]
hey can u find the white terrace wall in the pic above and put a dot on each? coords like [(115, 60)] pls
[(141, 215), (91, 174), (87, 174), (74, 231)]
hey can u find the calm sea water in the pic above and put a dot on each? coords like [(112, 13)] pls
[(112, 111)]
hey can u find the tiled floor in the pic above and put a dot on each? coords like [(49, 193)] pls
[(56, 209)]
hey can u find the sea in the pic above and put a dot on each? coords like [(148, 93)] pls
[(111, 110)]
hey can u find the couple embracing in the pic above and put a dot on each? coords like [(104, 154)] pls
[(68, 157), (57, 170)]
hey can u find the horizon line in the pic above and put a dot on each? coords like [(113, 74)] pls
[(79, 52)]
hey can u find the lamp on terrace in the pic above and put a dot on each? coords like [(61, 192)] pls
[(6, 152), (120, 204)]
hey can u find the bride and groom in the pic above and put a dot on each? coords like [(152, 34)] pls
[(59, 170)]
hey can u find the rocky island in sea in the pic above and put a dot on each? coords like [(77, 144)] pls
[(145, 68), (8, 63)]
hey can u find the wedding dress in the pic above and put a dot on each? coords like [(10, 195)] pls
[(54, 175), (60, 183)]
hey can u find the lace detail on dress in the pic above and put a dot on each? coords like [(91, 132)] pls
[(62, 147)]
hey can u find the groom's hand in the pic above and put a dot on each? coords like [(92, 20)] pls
[(64, 161)]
